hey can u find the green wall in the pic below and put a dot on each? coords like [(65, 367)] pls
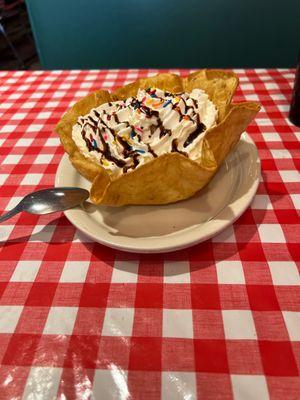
[(169, 33)]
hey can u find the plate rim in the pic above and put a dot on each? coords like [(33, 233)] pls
[(247, 197)]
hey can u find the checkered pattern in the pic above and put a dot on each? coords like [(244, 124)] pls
[(220, 320)]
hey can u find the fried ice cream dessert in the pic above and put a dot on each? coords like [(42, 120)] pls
[(157, 140)]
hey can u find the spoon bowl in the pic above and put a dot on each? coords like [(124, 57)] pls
[(48, 201)]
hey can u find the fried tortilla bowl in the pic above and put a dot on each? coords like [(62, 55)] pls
[(172, 176)]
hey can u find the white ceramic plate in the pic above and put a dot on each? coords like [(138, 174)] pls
[(156, 229)]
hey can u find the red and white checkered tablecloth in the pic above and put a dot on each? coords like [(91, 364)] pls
[(78, 320)]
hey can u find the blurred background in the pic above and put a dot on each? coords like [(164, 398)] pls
[(71, 34)]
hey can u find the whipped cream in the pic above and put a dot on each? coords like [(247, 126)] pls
[(123, 135)]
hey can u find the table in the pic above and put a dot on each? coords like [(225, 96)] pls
[(78, 320)]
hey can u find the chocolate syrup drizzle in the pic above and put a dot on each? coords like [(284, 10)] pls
[(95, 128), (192, 136), (128, 151), (175, 148)]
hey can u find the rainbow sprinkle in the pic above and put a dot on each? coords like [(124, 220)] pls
[(167, 103), (140, 151), (149, 101), (158, 104), (138, 129), (95, 144), (105, 137)]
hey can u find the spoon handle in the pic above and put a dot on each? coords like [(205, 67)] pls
[(10, 213)]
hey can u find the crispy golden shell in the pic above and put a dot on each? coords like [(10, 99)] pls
[(172, 176)]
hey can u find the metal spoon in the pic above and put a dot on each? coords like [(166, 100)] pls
[(49, 200)]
